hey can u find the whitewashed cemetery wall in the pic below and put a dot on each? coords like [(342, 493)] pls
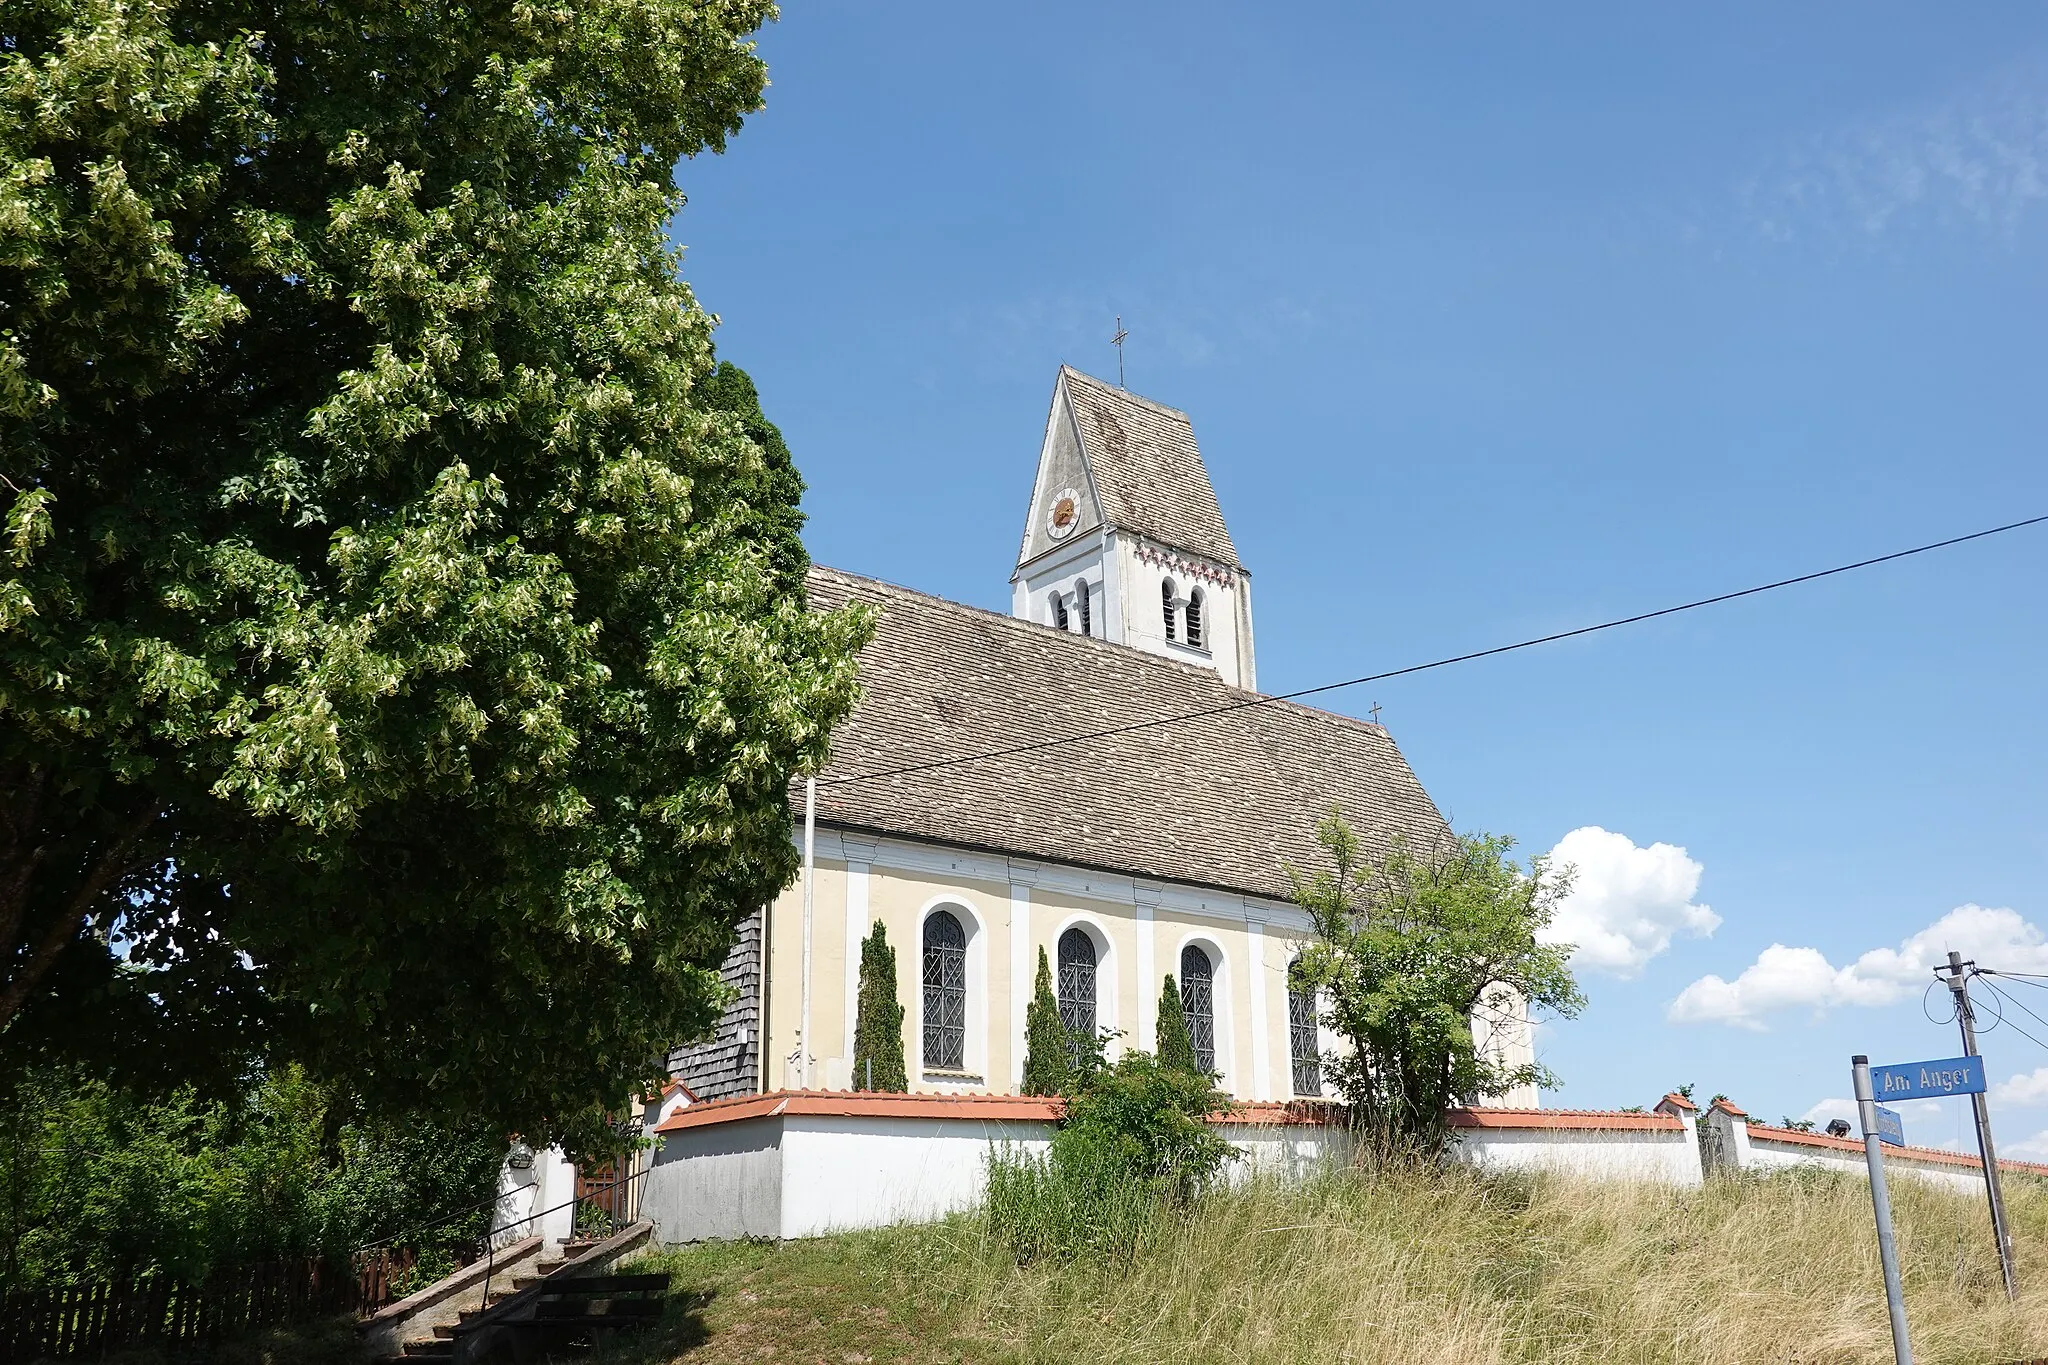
[(1735, 1142), (806, 1163)]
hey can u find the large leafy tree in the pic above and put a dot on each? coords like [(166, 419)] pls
[(402, 628), (1408, 948)]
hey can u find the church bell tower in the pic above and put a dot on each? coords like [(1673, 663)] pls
[(1124, 538)]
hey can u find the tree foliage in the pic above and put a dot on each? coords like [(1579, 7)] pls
[(1408, 947), (97, 1181), (878, 1023), (1150, 1120), (1176, 1044), (1048, 1049), (402, 631)]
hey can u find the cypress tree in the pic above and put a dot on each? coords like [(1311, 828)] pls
[(878, 1021), (1048, 1056), (1176, 1047)]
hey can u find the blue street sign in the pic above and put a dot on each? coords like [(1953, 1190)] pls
[(1928, 1080), (1889, 1128)]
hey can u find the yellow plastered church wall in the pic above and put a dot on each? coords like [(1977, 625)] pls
[(785, 980), (1008, 923), (1115, 931), (903, 901)]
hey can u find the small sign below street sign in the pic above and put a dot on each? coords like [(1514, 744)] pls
[(1889, 1128), (1929, 1080)]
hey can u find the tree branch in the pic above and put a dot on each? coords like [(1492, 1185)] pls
[(20, 816), (114, 860)]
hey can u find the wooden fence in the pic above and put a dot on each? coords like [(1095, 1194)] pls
[(74, 1321)]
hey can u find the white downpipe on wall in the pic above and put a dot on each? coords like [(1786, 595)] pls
[(803, 1023)]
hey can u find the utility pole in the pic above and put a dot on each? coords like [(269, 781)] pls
[(1959, 985)]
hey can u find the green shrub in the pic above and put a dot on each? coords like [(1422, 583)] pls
[(1176, 1044), (878, 1029), (96, 1182), (1135, 1141), (1048, 1051)]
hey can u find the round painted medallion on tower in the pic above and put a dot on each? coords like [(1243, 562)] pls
[(1063, 515)]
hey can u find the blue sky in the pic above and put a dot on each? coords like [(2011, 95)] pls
[(1493, 323)]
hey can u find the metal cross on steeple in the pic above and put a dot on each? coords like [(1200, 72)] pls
[(1118, 342), (1375, 709)]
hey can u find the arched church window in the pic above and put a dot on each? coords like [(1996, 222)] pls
[(1301, 1033), (945, 992), (1059, 610), (1081, 602), (1077, 983), (1195, 618), (1166, 606), (1198, 1004)]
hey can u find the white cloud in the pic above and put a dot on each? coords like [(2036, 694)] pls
[(2034, 1148), (1978, 160), (2030, 1088), (1626, 903), (1832, 1109), (1839, 1107), (1785, 978)]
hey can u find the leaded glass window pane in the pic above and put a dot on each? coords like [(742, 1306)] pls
[(1301, 1034), (1077, 983), (945, 992), (1198, 1003)]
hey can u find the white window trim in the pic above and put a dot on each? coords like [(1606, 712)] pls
[(1221, 999), (1106, 992), (974, 1048)]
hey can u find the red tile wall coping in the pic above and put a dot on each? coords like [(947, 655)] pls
[(1935, 1155), (1005, 1108), (1591, 1120), (859, 1104), (1028, 1109)]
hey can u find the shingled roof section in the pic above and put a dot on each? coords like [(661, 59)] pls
[(1227, 801), (1148, 471)]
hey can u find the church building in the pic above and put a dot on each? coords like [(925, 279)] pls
[(1130, 804)]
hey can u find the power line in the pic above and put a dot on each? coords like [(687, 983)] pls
[(1250, 702), (2002, 995), (2015, 1027)]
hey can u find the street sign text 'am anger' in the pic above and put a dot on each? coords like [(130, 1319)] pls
[(1928, 1080)]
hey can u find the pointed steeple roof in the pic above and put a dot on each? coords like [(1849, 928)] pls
[(1146, 468)]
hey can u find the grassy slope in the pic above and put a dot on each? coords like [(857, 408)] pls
[(1414, 1269)]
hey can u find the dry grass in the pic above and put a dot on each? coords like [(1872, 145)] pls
[(1412, 1267)]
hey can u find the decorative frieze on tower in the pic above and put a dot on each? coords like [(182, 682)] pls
[(1124, 538)]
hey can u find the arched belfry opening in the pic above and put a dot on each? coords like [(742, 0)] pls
[(1123, 516)]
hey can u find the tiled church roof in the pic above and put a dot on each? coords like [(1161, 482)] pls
[(1227, 801), (1148, 472)]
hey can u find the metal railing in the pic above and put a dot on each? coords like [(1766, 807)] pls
[(618, 1201)]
